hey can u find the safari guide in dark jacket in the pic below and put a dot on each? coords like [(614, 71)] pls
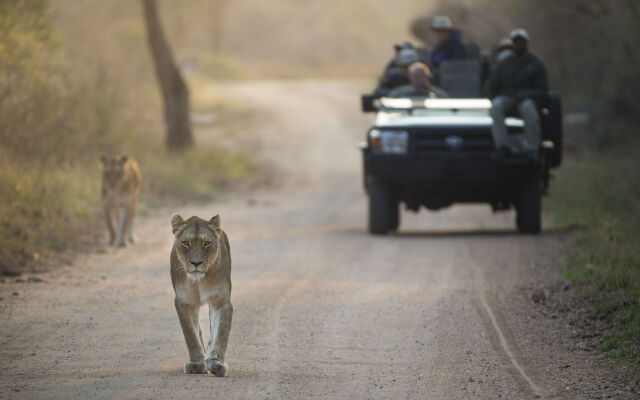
[(449, 42), (516, 85)]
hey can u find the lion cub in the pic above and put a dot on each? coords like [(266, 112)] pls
[(121, 181), (201, 273)]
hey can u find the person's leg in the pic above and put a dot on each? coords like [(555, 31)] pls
[(499, 107), (529, 113)]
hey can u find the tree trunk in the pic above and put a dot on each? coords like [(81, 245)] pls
[(174, 89)]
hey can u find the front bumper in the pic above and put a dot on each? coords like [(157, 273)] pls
[(452, 176)]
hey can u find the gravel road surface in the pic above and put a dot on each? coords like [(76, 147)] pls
[(322, 309)]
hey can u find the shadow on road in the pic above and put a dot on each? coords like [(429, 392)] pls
[(449, 233), (462, 233)]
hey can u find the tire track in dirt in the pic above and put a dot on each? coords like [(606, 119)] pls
[(503, 341)]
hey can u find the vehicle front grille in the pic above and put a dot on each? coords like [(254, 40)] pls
[(459, 139)]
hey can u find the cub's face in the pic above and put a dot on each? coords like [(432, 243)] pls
[(197, 243), (113, 169)]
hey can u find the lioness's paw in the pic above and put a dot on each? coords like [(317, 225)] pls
[(195, 368), (122, 244), (217, 368)]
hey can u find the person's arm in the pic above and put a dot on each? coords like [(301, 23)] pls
[(400, 91), (392, 79), (539, 85), (439, 93)]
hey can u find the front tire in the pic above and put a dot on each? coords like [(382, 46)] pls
[(529, 210), (379, 206), (394, 214)]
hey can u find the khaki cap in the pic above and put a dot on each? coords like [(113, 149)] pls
[(504, 43), (519, 33), (442, 23)]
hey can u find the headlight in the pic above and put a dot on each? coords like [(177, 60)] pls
[(391, 142)]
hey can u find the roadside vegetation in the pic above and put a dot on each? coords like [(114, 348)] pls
[(598, 188), (58, 114), (599, 192)]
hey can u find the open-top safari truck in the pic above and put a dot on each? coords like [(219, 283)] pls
[(436, 152)]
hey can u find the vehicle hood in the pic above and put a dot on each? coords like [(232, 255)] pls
[(440, 118)]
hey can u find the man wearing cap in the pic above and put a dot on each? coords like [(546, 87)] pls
[(503, 49), (420, 86), (449, 42), (516, 85), (398, 47), (396, 75)]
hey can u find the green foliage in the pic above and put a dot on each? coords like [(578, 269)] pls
[(601, 193)]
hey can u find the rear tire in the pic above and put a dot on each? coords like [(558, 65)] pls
[(529, 210), (552, 129), (379, 206)]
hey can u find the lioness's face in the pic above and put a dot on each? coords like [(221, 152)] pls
[(197, 243), (113, 169)]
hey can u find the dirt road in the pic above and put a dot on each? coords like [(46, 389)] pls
[(322, 309)]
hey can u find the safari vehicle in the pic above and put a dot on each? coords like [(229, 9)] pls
[(436, 152)]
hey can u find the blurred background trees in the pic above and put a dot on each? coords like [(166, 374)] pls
[(588, 47), (175, 93)]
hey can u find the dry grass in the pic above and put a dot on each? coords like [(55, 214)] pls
[(57, 116)]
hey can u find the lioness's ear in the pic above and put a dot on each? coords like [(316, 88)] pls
[(176, 223), (103, 159), (124, 158), (215, 222)]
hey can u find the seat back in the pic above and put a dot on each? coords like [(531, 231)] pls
[(461, 78), (473, 51)]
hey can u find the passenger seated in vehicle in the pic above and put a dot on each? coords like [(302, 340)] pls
[(396, 75), (449, 42), (516, 85), (420, 86), (423, 54), (504, 49), (398, 47)]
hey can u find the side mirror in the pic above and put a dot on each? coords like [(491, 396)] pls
[(367, 103)]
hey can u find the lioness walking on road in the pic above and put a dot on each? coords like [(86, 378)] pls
[(121, 180), (201, 273)]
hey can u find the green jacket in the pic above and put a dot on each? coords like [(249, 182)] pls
[(519, 77)]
